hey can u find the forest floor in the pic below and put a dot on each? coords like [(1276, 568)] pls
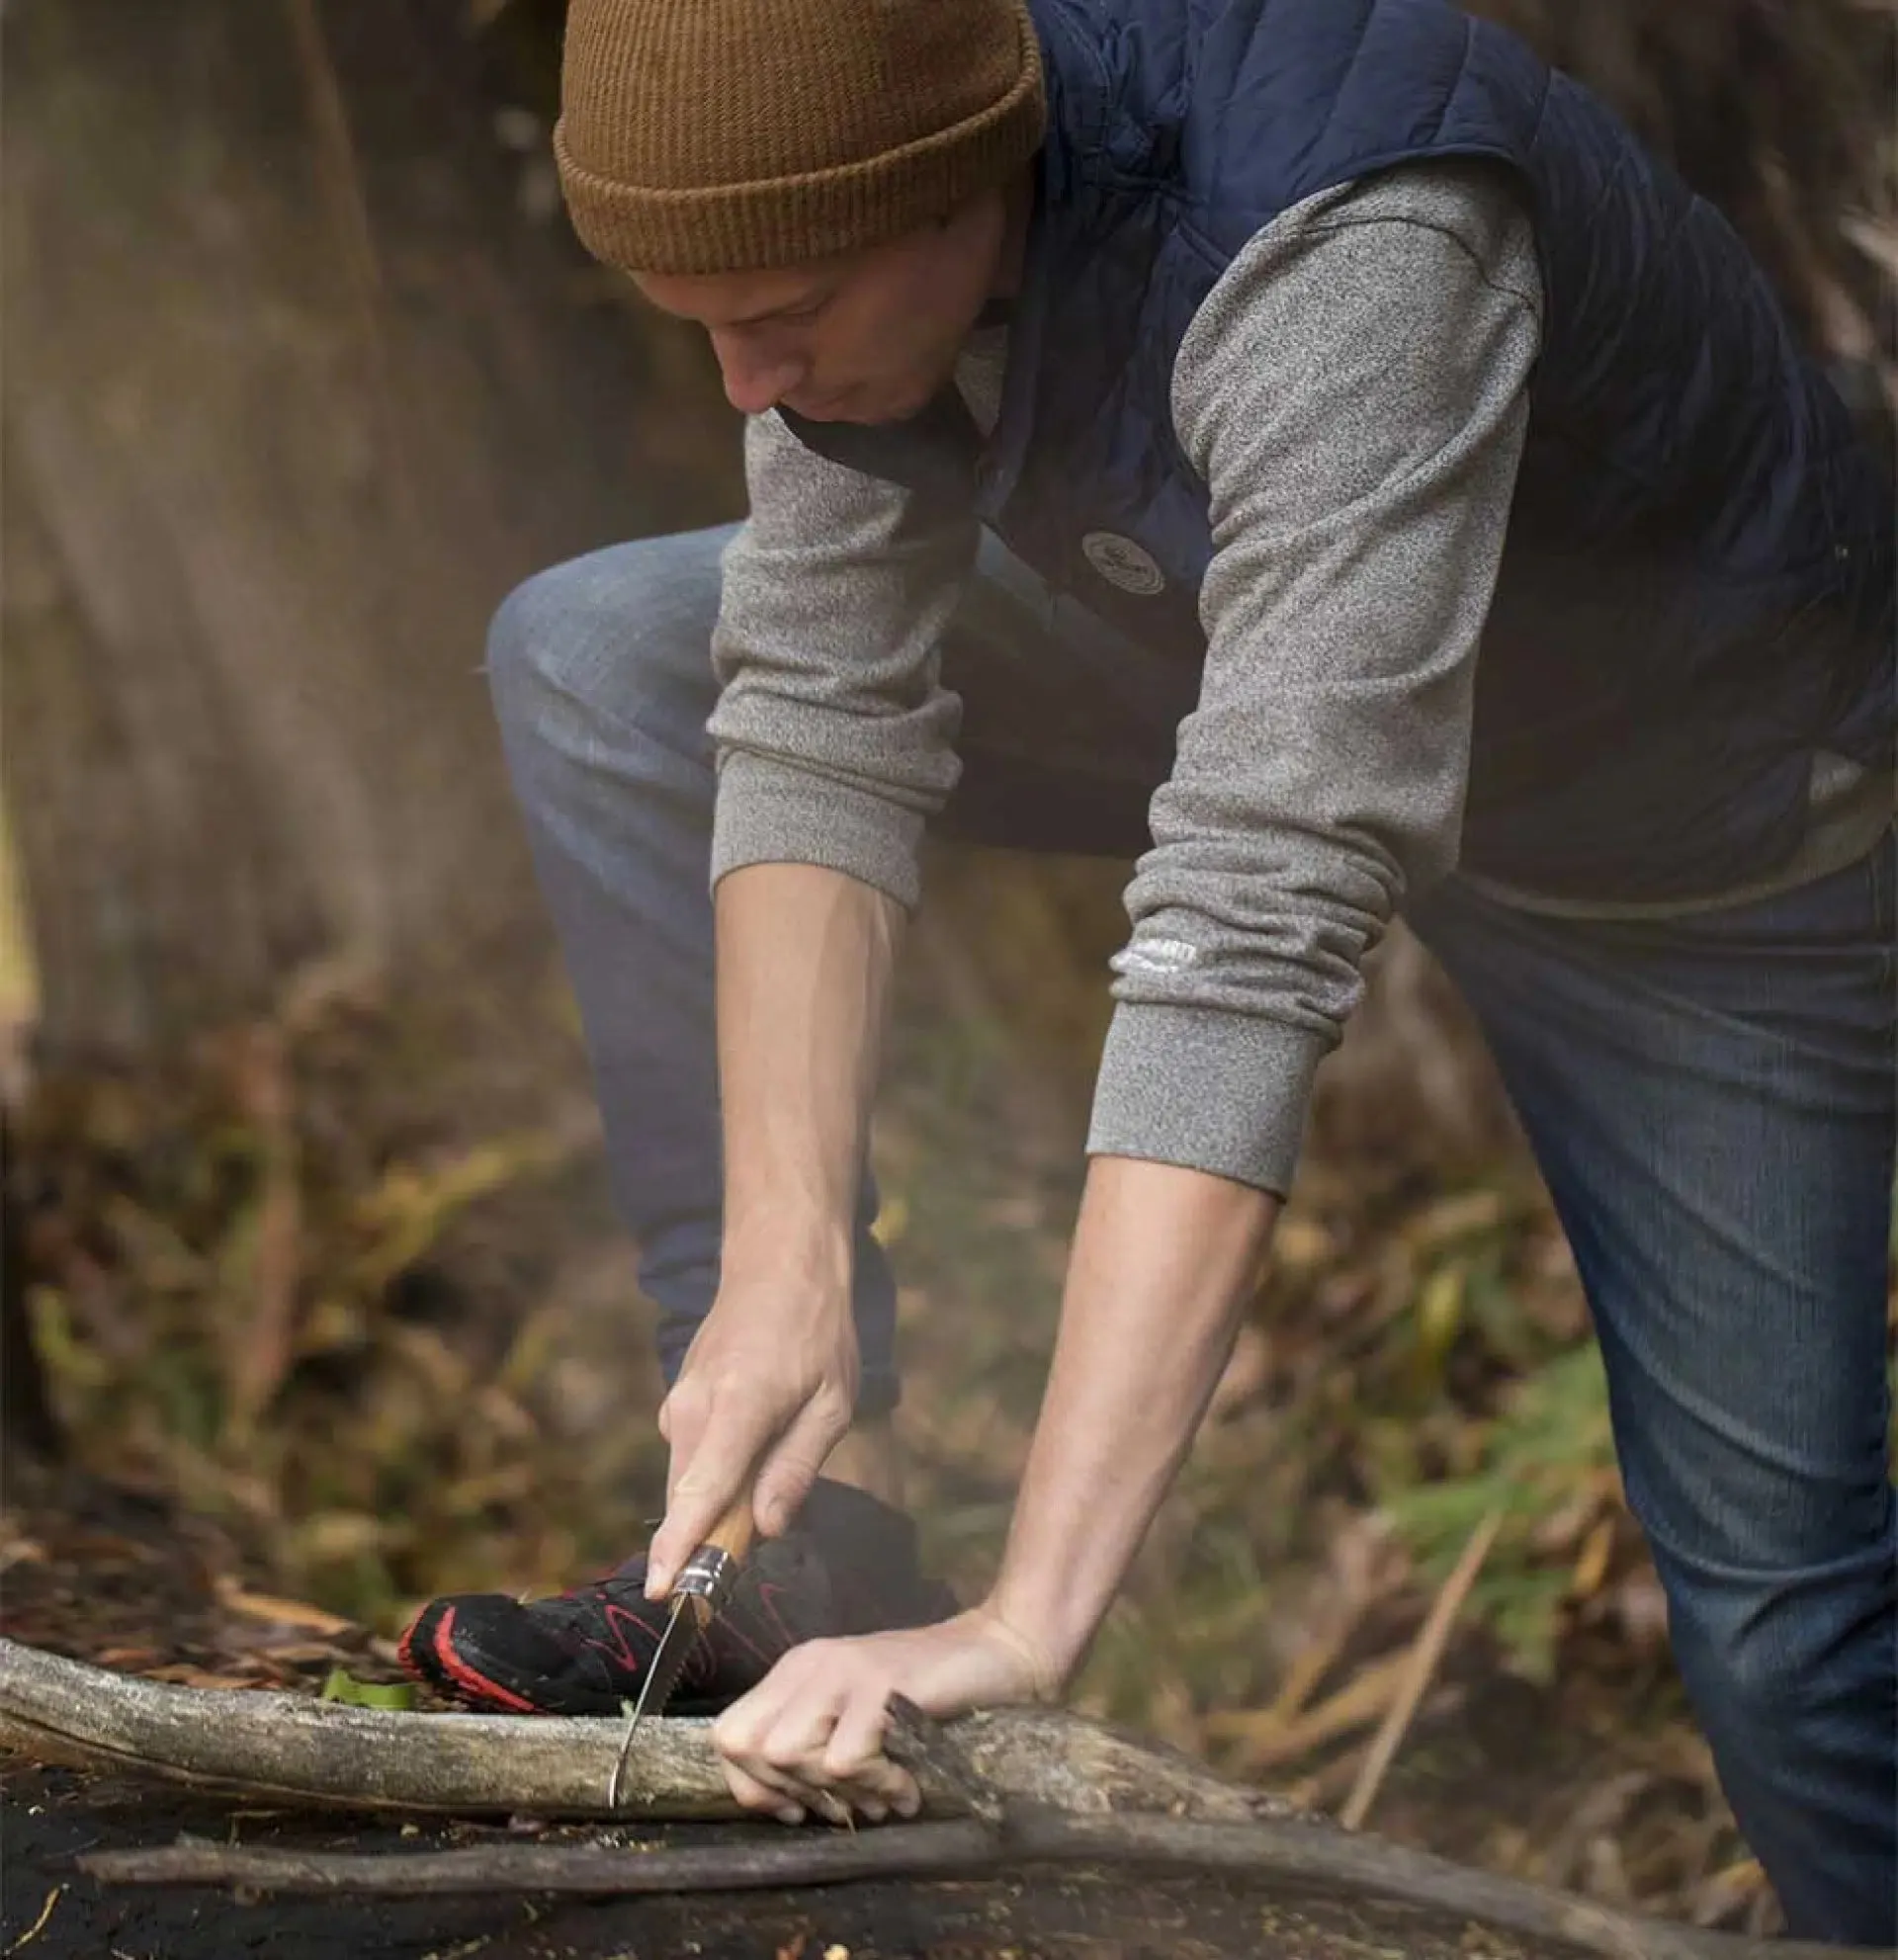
[(347, 1291), (122, 1579)]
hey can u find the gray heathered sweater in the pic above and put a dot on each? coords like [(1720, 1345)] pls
[(1354, 394)]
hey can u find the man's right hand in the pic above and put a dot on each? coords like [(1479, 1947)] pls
[(764, 1394)]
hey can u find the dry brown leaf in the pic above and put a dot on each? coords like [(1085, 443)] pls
[(288, 1656), (1464, 1215), (1310, 1665), (279, 1612), (186, 1676), (1591, 1564), (1301, 1244), (1364, 1566), (22, 1552), (1728, 1892), (1267, 1744), (130, 1658)]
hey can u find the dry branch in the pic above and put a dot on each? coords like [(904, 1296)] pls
[(290, 1746), (1297, 1858), (1419, 1670), (1076, 1792)]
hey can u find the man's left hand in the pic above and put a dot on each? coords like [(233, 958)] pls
[(809, 1737)]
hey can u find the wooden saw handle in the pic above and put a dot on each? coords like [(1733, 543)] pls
[(736, 1530), (708, 1576)]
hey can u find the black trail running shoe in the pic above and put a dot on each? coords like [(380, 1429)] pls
[(846, 1565)]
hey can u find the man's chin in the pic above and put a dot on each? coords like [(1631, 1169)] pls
[(862, 409)]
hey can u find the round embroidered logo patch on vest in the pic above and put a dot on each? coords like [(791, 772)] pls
[(1120, 561)]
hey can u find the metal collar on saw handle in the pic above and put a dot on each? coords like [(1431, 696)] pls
[(706, 1580)]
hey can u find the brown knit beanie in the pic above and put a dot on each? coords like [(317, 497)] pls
[(740, 136)]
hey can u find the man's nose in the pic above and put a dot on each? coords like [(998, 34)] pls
[(755, 378)]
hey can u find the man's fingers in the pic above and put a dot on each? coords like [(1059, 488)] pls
[(812, 1732), (883, 1787), (856, 1741), (779, 1735), (756, 1793), (853, 1757), (791, 1466), (688, 1520), (682, 1422), (738, 1427), (761, 1786), (741, 1735), (785, 1722), (815, 1727)]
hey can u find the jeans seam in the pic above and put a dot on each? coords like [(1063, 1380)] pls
[(1884, 905)]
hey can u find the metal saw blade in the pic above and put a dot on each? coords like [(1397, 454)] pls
[(669, 1659), (661, 1677)]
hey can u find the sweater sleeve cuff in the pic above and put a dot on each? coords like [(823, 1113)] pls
[(772, 812), (1207, 1089)]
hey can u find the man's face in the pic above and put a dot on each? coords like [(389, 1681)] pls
[(869, 337)]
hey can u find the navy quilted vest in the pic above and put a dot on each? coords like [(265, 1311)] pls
[(1697, 588)]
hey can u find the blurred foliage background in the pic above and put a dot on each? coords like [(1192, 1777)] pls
[(306, 1221)]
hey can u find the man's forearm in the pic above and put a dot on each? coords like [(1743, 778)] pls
[(805, 957), (1164, 1261), (765, 1391)]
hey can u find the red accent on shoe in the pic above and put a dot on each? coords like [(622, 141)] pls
[(470, 1678), (618, 1648), (768, 1600)]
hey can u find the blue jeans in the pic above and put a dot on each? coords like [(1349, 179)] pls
[(1713, 1102)]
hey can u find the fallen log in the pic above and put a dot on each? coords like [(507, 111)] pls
[(1074, 1792), (461, 1766)]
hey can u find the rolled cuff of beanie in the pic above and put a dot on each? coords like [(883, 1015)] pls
[(781, 221)]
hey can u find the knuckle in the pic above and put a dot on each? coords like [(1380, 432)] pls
[(780, 1754), (842, 1762), (750, 1398), (783, 1487), (688, 1394), (735, 1733)]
